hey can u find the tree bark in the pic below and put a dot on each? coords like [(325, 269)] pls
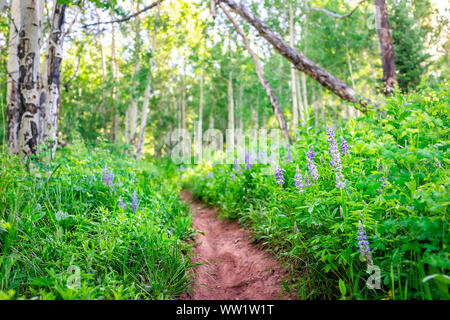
[(302, 63), (386, 47), (12, 98), (295, 107), (52, 79), (230, 110), (28, 51), (272, 98), (115, 117), (147, 92)]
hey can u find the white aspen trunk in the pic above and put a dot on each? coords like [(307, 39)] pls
[(102, 56), (152, 66), (211, 119), (12, 95), (230, 110), (200, 108), (241, 106), (295, 107), (132, 112), (305, 93), (52, 79), (353, 111), (29, 76), (115, 117), (301, 106)]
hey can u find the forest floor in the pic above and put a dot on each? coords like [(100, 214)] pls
[(231, 266)]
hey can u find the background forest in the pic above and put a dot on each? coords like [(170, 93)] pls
[(120, 76)]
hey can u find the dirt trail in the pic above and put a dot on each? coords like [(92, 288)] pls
[(233, 269)]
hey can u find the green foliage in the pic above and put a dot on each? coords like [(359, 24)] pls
[(64, 224), (406, 220)]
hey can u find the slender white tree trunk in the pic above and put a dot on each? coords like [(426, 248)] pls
[(152, 66), (29, 76), (295, 107), (115, 117), (52, 79), (12, 98), (230, 109)]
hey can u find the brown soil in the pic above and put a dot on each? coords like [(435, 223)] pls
[(232, 268)]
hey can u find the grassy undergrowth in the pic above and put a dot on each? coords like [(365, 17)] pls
[(65, 232), (396, 176)]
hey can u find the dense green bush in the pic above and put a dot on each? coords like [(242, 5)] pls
[(397, 185), (62, 223)]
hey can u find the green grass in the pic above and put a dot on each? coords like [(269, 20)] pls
[(316, 232), (63, 235)]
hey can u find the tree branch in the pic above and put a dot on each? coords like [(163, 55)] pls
[(154, 4), (335, 15)]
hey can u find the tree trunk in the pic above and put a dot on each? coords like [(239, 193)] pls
[(295, 107), (12, 98), (29, 76), (273, 100), (52, 79), (147, 91), (230, 129), (302, 63), (115, 117), (386, 47)]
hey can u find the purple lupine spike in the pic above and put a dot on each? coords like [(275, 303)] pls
[(233, 177), (289, 155), (307, 180), (105, 175), (312, 169), (279, 175), (298, 180), (340, 180), (311, 154), (248, 161), (121, 204), (237, 167), (110, 180), (380, 168), (134, 202), (363, 244), (344, 146)]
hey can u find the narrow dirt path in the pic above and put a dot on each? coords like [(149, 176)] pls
[(232, 268)]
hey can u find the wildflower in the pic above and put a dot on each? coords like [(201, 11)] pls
[(312, 169), (307, 180), (334, 151), (335, 159), (380, 168), (118, 183), (237, 168), (363, 244), (121, 204), (248, 161), (340, 180), (289, 156), (233, 177), (311, 154), (105, 174), (298, 180), (110, 180), (134, 202), (279, 175), (344, 146)]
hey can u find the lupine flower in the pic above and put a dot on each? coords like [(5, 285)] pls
[(311, 154), (289, 156), (118, 183), (237, 168), (363, 244), (312, 169), (279, 175), (110, 180), (380, 168), (335, 159), (307, 180), (299, 181), (248, 161), (344, 146), (340, 180), (233, 177), (334, 151), (121, 204), (134, 202), (105, 174)]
